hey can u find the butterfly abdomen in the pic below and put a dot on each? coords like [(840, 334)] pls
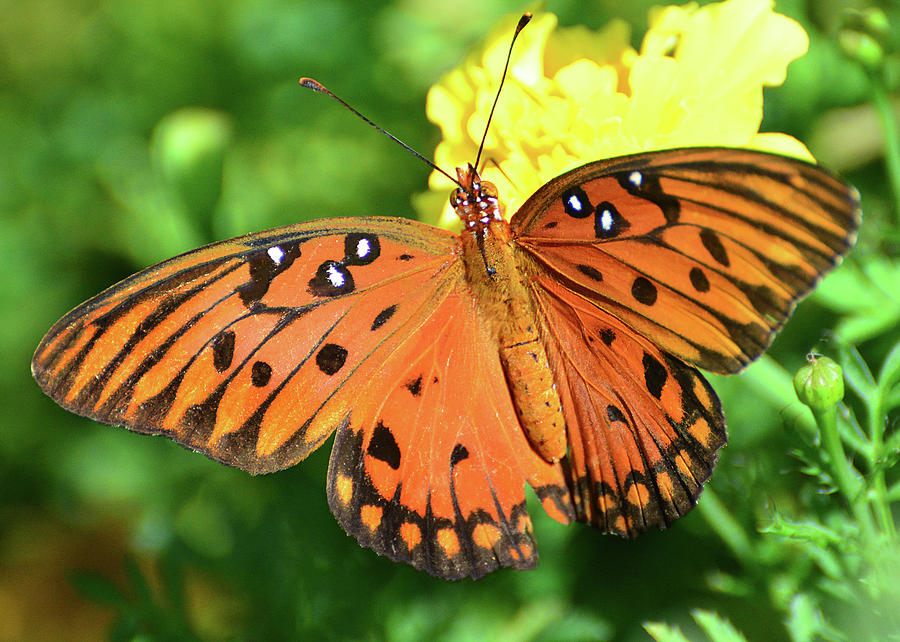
[(505, 302)]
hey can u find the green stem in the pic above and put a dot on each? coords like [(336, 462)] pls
[(848, 480), (882, 505), (891, 135), (725, 525), (880, 501)]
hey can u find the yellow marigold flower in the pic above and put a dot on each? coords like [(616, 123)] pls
[(573, 96)]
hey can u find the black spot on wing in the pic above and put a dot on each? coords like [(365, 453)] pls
[(714, 246), (331, 358), (655, 375), (699, 280), (608, 336), (608, 222), (382, 317), (646, 185), (644, 291), (361, 248), (223, 350), (332, 279), (590, 271), (614, 414), (260, 374), (383, 446), (415, 386), (576, 202), (459, 453)]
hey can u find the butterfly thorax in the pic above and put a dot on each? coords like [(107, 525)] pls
[(498, 283)]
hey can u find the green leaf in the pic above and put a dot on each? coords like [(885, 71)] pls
[(852, 434), (891, 450), (805, 622), (856, 371), (716, 627), (664, 633), (890, 370), (188, 151), (865, 295), (808, 531)]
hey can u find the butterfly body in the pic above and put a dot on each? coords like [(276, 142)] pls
[(558, 350), (496, 278)]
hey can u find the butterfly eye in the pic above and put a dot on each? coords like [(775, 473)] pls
[(489, 191)]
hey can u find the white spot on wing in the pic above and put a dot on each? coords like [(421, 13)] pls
[(363, 247), (575, 203), (335, 276), (635, 178), (606, 220), (276, 254)]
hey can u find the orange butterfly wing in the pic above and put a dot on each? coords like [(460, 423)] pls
[(641, 263), (643, 427), (241, 349), (433, 473), (704, 251), (254, 350)]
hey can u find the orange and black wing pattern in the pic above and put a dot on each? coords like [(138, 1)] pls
[(253, 351), (433, 472), (643, 427), (243, 349), (647, 265), (704, 251)]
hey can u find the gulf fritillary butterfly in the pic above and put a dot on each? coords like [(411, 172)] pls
[(557, 349)]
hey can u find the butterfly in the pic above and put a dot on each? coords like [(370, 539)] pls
[(559, 349)]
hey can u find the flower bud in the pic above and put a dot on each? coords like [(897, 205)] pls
[(865, 36), (861, 48), (820, 383)]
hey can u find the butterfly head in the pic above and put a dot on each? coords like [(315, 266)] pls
[(475, 201)]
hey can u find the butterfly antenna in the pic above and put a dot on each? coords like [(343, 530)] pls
[(315, 85), (524, 20)]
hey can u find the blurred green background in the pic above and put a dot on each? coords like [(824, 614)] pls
[(107, 533)]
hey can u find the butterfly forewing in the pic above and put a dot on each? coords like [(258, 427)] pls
[(704, 251), (241, 349)]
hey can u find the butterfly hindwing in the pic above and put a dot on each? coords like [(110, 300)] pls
[(705, 251), (433, 474), (243, 349), (643, 427)]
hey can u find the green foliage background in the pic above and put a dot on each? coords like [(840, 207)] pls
[(103, 532)]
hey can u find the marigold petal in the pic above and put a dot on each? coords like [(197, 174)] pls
[(781, 144)]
